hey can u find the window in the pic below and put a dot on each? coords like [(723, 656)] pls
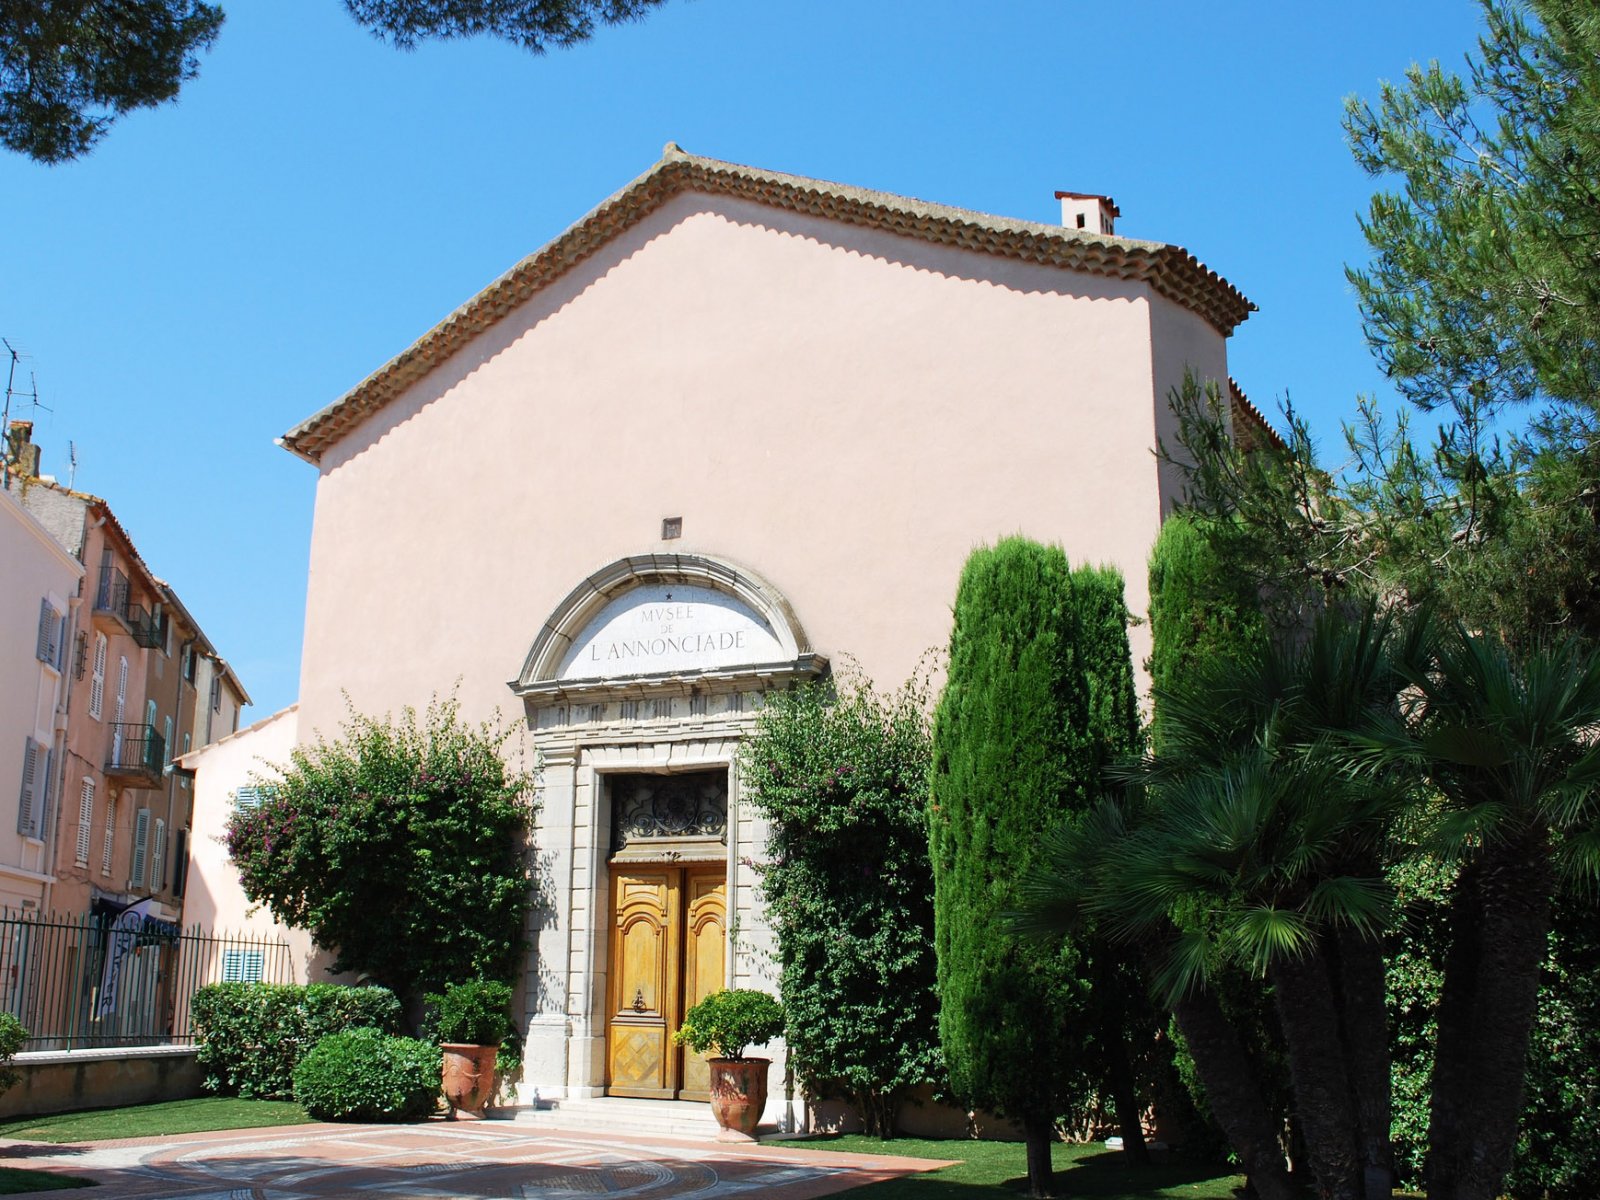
[(122, 688), (242, 966), (188, 661), (150, 714), (35, 797), (97, 680), (247, 799), (216, 693), (111, 836), (85, 821), (166, 750), (141, 848), (158, 857), (51, 647)]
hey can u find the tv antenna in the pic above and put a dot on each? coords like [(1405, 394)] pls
[(32, 396), (72, 463)]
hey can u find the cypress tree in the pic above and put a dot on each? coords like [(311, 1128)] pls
[(1016, 749), (1201, 606)]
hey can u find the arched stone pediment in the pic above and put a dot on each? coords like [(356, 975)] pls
[(657, 618)]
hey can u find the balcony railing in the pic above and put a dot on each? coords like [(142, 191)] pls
[(145, 626), (114, 599), (136, 752), (111, 599)]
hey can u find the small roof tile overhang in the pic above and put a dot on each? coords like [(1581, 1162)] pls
[(1170, 270), (1250, 426)]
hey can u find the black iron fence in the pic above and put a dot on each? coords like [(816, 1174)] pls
[(84, 981)]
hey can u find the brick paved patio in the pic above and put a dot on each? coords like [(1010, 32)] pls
[(442, 1161)]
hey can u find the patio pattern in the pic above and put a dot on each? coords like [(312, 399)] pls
[(444, 1161)]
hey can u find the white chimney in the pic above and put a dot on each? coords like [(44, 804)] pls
[(1088, 212)]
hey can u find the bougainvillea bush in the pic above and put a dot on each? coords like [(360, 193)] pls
[(402, 847)]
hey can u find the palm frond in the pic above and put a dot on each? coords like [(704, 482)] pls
[(1264, 933), (1365, 904), (1185, 967)]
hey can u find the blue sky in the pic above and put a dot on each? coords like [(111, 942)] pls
[(220, 268)]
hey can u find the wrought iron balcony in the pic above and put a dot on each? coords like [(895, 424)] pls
[(145, 627), (136, 753), (111, 598)]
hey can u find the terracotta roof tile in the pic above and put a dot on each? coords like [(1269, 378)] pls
[(1249, 425)]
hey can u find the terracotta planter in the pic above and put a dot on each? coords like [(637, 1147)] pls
[(738, 1094), (468, 1076)]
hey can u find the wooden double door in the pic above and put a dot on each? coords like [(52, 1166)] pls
[(668, 950)]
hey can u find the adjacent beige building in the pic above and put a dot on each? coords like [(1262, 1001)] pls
[(728, 428), (141, 684), (41, 580)]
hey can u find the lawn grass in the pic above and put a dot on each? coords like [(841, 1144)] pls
[(155, 1120), (989, 1170), (13, 1181)]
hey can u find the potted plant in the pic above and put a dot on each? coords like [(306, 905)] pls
[(726, 1023), (471, 1020)]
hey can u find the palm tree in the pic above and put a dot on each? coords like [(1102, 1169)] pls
[(1508, 742), (1249, 843)]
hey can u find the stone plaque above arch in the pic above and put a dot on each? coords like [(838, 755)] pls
[(653, 621)]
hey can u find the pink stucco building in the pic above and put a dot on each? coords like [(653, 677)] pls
[(730, 426)]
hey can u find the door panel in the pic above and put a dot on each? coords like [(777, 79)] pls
[(644, 944), (704, 948), (668, 947)]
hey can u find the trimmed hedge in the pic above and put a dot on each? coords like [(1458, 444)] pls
[(364, 1075), (251, 1036)]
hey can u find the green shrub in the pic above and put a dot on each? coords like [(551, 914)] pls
[(474, 1014), (365, 1075), (728, 1021), (12, 1036), (252, 1035), (841, 772)]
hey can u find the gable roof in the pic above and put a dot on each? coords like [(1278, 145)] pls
[(1169, 270)]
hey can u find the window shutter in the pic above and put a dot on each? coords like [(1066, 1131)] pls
[(242, 966), (180, 862), (166, 752), (41, 788), (45, 650), (85, 821), (158, 858), (97, 683), (122, 688), (61, 643), (247, 798), (30, 775), (141, 848), (111, 836)]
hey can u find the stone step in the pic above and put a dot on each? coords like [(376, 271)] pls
[(610, 1114)]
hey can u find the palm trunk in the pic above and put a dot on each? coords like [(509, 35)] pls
[(1041, 1172), (1233, 1094), (1323, 1097), (1364, 1017), (1125, 1094), (1113, 1034), (1491, 993)]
